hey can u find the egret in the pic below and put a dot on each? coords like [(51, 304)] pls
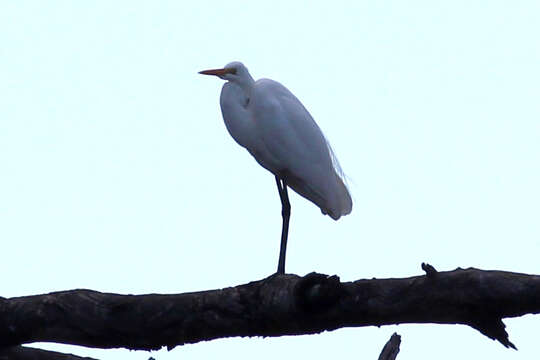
[(264, 117)]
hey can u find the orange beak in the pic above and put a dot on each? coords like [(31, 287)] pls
[(218, 72)]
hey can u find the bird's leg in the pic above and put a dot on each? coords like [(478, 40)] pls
[(286, 214)]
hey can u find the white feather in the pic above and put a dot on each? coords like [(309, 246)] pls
[(272, 124)]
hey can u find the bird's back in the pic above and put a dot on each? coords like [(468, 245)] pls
[(291, 145)]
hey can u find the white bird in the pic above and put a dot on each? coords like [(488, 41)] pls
[(264, 117)]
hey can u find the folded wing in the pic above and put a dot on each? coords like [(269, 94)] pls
[(292, 145)]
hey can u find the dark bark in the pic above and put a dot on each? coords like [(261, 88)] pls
[(28, 353), (278, 305), (391, 348)]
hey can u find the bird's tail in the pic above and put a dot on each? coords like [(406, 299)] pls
[(334, 200), (340, 201)]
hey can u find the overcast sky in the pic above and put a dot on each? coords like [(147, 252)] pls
[(117, 173)]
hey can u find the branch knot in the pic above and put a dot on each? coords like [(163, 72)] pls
[(317, 292)]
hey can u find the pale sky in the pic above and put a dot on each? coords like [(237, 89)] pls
[(117, 173)]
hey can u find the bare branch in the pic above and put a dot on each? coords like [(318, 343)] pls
[(391, 348), (275, 306), (29, 353)]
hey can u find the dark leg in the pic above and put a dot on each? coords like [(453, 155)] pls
[(286, 214)]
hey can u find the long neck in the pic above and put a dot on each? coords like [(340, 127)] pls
[(246, 83), (234, 107)]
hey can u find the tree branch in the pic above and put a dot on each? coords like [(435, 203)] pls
[(28, 353), (391, 348), (275, 306)]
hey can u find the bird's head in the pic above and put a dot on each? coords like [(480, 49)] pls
[(234, 71)]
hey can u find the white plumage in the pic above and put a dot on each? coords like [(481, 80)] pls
[(272, 124)]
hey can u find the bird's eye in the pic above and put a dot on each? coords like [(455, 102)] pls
[(232, 71)]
